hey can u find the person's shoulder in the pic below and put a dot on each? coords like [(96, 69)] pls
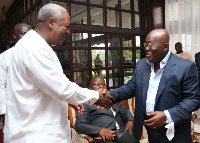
[(143, 60), (6, 53), (181, 61)]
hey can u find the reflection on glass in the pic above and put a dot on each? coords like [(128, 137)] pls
[(63, 56), (128, 73), (80, 59), (127, 57), (138, 43), (80, 39), (114, 77), (138, 55), (97, 40), (126, 20), (82, 79), (125, 4), (78, 14), (63, 4), (96, 16), (112, 3), (98, 58), (127, 41), (139, 5), (139, 21), (103, 74), (113, 41), (112, 18), (99, 2), (113, 58)]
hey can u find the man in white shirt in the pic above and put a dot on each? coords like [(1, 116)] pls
[(38, 92), (20, 30)]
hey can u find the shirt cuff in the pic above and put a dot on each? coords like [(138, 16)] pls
[(168, 116)]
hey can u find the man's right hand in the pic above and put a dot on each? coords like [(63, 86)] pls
[(105, 99), (107, 134)]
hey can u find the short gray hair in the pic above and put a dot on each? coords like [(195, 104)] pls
[(19, 25), (50, 10)]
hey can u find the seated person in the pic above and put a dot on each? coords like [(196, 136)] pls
[(95, 121)]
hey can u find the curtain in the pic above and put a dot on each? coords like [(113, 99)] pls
[(182, 20)]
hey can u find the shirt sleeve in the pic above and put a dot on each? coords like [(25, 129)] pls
[(3, 78), (44, 68), (169, 118)]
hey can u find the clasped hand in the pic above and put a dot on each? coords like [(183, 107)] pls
[(105, 99)]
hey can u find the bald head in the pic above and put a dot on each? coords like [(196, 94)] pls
[(97, 82), (159, 35), (158, 45), (20, 30)]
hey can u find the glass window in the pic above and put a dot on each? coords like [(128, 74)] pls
[(97, 40), (80, 59), (99, 73), (98, 58), (128, 73), (80, 39), (113, 58), (112, 3), (126, 20), (97, 16), (139, 21), (138, 54), (112, 18), (114, 77), (78, 14), (82, 79), (139, 5), (127, 41), (125, 4), (63, 56), (99, 2), (138, 43), (127, 57), (113, 41)]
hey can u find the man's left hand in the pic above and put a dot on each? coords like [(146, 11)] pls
[(157, 119), (129, 126), (78, 108)]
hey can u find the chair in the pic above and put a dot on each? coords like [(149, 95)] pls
[(130, 105), (71, 115)]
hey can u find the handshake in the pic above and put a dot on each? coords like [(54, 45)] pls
[(105, 99)]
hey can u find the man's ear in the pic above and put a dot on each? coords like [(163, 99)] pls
[(50, 22), (166, 46), (14, 36), (90, 87)]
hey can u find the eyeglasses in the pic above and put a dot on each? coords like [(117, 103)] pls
[(98, 85), (154, 44)]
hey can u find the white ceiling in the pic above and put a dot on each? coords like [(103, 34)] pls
[(7, 4)]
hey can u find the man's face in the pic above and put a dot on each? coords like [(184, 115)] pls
[(155, 53), (21, 31), (61, 29), (178, 48), (97, 83)]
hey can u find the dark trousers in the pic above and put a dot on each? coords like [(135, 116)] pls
[(124, 137)]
